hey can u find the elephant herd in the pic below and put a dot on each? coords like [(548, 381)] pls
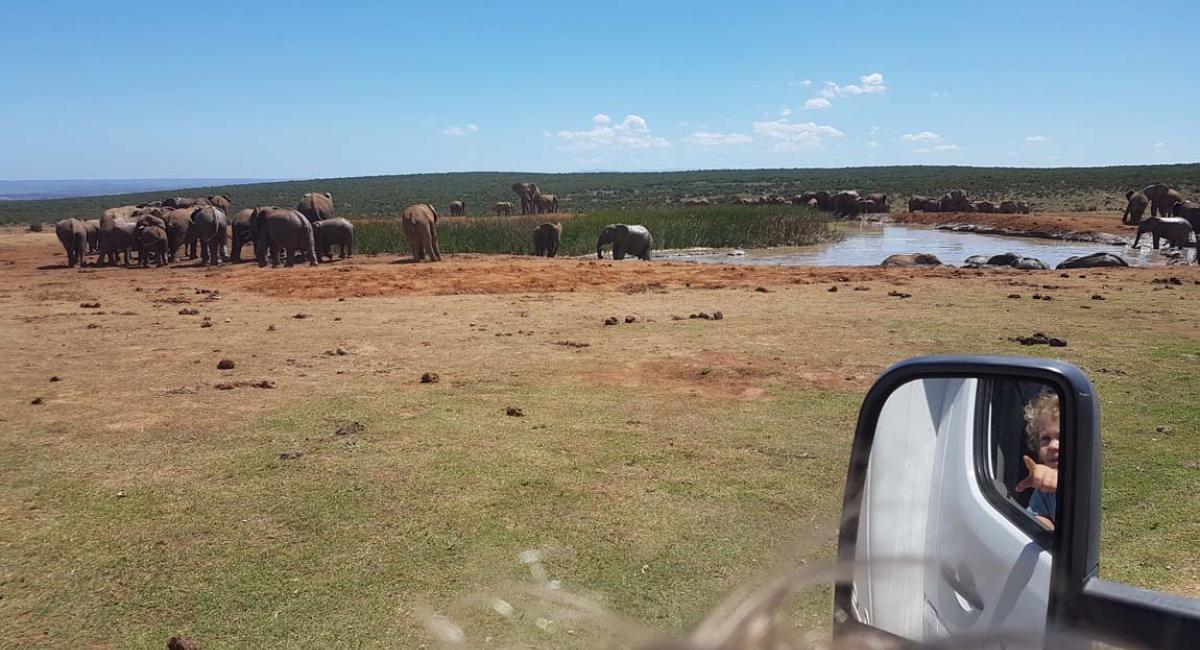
[(957, 201), (157, 231), (532, 201), (1171, 217)]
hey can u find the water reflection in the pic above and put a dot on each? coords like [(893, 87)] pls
[(868, 243)]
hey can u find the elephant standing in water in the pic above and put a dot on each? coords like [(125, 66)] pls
[(458, 209), (420, 231), (632, 240), (283, 230), (73, 235), (503, 209), (1189, 210), (1135, 207), (1175, 230), (1162, 199), (528, 193), (330, 232), (546, 203), (547, 237), (316, 206)]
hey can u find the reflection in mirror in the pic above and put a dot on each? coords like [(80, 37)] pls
[(956, 508)]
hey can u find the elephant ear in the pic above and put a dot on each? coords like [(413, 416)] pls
[(328, 196)]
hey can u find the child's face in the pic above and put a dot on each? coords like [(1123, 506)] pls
[(1047, 441)]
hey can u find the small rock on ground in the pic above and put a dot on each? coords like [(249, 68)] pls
[(611, 320), (182, 643), (290, 455), (37, 400), (353, 427), (430, 378), (225, 364), (1040, 338), (515, 412)]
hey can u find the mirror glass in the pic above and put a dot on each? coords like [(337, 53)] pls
[(957, 509)]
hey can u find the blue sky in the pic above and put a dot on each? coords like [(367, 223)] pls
[(315, 89)]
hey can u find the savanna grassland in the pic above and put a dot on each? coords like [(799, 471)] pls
[(654, 466), (1057, 189)]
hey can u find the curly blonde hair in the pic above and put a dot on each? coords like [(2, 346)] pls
[(1037, 407)]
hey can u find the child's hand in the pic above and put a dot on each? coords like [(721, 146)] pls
[(1041, 477)]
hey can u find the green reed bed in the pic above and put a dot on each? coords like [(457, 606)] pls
[(718, 226)]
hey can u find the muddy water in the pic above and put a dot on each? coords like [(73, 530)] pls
[(868, 244)]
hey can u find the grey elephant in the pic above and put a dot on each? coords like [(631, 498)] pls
[(240, 235), (880, 199), (1189, 210), (955, 201), (1176, 230), (1008, 207), (547, 237), (528, 193), (1024, 207), (93, 231), (184, 202), (328, 233), (1094, 260), (920, 203), (73, 234), (503, 209), (625, 240), (179, 232), (151, 240), (910, 260), (282, 230), (985, 206), (1136, 202), (1162, 199), (458, 209), (220, 201), (208, 228), (115, 236), (845, 203), (1017, 262), (824, 200), (420, 232), (316, 206), (546, 203)]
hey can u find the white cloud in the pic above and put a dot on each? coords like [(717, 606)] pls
[(787, 112), (872, 144), (817, 103), (1160, 145), (947, 147), (789, 136), (939, 93), (923, 136), (874, 130), (631, 133), (455, 131), (473, 128), (871, 84), (709, 139), (805, 84), (1036, 138)]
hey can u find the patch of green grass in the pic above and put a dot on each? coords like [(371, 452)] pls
[(706, 226)]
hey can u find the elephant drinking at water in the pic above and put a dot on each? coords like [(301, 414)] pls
[(632, 240)]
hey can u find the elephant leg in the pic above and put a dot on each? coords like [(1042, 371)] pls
[(433, 241), (1156, 238), (289, 255), (553, 252)]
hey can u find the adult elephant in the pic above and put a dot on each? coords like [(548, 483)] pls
[(316, 206), (1176, 230), (1136, 203), (910, 260), (220, 201), (528, 192), (1162, 199), (880, 200), (208, 228), (72, 234), (546, 203), (955, 201), (625, 240), (151, 240), (1024, 207), (547, 237), (328, 233), (123, 213), (240, 234), (985, 207), (503, 209), (867, 206), (179, 232), (1094, 260), (845, 203), (1008, 207), (458, 209), (114, 237), (420, 231), (93, 231), (824, 200), (282, 230), (920, 203), (177, 202), (1189, 210)]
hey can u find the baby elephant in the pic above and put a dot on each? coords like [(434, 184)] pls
[(547, 237), (331, 232), (1177, 231), (152, 239)]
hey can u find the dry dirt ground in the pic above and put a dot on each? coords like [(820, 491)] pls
[(658, 463)]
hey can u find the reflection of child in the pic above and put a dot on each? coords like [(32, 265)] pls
[(1041, 425)]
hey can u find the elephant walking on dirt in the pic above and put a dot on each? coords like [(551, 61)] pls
[(458, 209), (420, 231), (528, 193), (631, 240), (1175, 230), (1162, 199), (503, 209), (316, 206), (73, 235), (1135, 207), (208, 227), (547, 237), (328, 233), (282, 230)]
